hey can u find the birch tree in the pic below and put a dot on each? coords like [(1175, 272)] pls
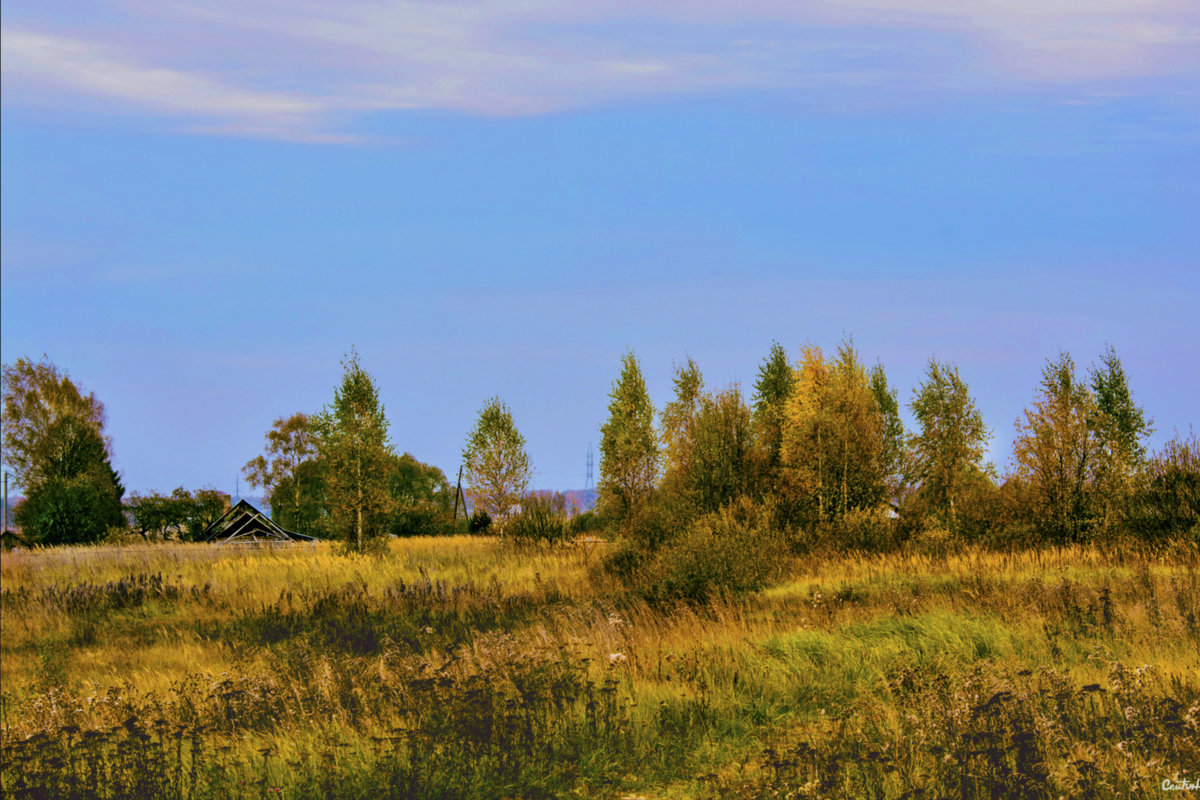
[(496, 463), (629, 453), (352, 435), (1055, 451), (951, 439)]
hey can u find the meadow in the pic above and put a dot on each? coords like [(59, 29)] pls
[(467, 667)]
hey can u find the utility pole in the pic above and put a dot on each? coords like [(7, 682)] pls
[(457, 492)]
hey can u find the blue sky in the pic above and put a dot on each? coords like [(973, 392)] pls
[(204, 206)]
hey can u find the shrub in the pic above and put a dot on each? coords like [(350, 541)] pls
[(543, 518), (623, 561), (481, 522), (587, 522), (934, 540), (872, 530), (421, 520), (733, 550), (1167, 502)]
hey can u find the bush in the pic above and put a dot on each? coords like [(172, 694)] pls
[(421, 520), (873, 530), (587, 522), (624, 560), (934, 540), (481, 522), (733, 550), (543, 519), (70, 510), (651, 523), (1167, 502)]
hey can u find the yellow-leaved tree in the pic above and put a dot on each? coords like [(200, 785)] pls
[(836, 451)]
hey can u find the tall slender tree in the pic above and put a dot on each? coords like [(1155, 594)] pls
[(678, 430), (352, 435), (892, 456), (498, 469), (949, 445), (629, 453), (775, 384), (1121, 429), (1055, 452), (721, 466), (1122, 425)]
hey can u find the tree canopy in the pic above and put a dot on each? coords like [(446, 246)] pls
[(1055, 451), (835, 438), (54, 441), (352, 435), (497, 466), (775, 384), (950, 441), (629, 452), (289, 473)]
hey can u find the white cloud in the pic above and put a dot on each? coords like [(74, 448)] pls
[(223, 62), (56, 62)]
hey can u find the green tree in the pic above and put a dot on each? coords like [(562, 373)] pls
[(1055, 452), (422, 496), (892, 456), (412, 482), (54, 442), (949, 446), (156, 514), (1122, 426), (496, 464), (291, 445), (721, 466), (180, 513), (1121, 429), (629, 452), (775, 384), (678, 432), (352, 437), (206, 506)]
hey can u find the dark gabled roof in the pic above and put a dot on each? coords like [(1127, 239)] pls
[(245, 523), (10, 539)]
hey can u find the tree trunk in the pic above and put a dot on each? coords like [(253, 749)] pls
[(296, 486), (359, 499)]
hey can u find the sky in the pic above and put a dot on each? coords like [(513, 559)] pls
[(205, 206)]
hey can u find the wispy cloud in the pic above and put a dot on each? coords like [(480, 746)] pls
[(296, 70), (59, 63)]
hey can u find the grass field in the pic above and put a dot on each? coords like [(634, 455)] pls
[(463, 667)]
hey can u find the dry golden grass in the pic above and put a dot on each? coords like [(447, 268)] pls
[(329, 643)]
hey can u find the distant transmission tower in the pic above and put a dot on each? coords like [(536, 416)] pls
[(589, 485)]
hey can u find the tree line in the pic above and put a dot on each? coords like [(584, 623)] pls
[(818, 456), (331, 474), (821, 440)]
